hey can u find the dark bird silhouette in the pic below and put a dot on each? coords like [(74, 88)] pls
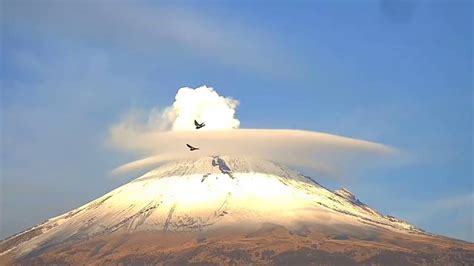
[(198, 126), (191, 148)]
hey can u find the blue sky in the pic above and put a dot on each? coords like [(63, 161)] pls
[(399, 73)]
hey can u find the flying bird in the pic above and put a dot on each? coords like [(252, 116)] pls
[(191, 148), (199, 125)]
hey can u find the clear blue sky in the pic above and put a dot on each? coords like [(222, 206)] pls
[(399, 73)]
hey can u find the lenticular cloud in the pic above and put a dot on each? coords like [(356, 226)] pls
[(161, 136)]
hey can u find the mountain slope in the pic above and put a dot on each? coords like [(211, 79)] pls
[(235, 202)]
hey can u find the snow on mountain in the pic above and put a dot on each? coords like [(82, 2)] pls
[(205, 194)]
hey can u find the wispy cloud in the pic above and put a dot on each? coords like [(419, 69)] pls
[(456, 202), (457, 208), (152, 29)]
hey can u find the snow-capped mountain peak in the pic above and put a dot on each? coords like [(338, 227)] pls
[(204, 194)]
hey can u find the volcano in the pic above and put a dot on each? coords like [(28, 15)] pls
[(229, 210)]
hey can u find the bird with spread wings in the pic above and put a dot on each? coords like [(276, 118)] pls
[(191, 148), (199, 125)]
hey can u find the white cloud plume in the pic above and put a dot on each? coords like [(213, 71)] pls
[(201, 104), (166, 132)]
